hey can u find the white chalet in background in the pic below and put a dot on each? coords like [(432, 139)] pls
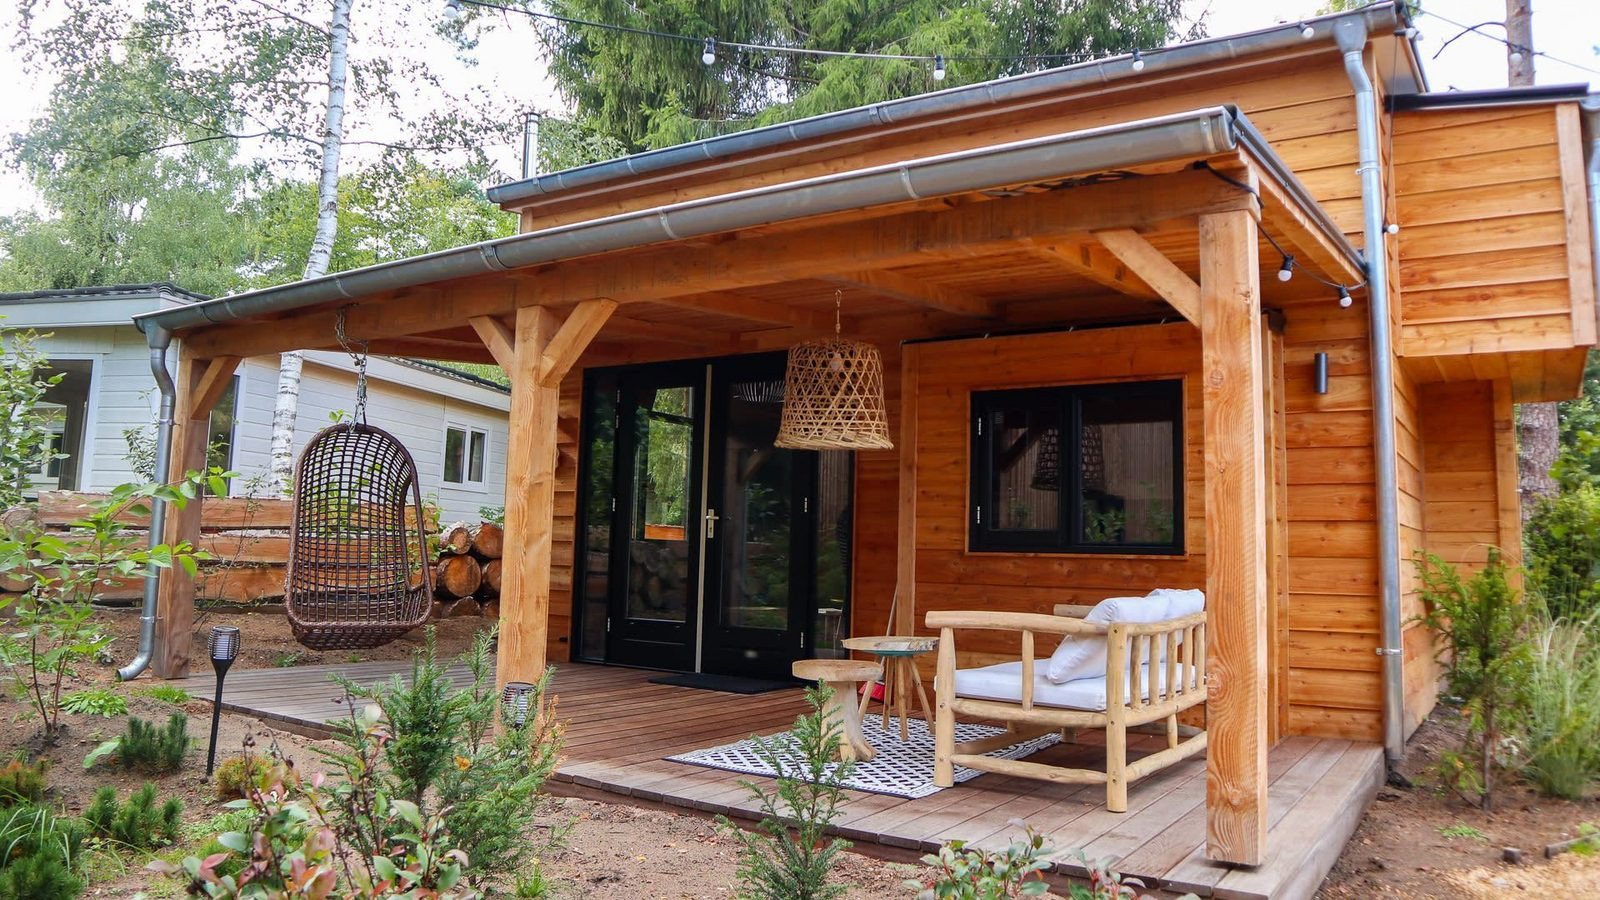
[(453, 424)]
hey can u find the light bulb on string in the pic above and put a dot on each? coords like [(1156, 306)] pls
[(1286, 271), (708, 51), (1307, 32), (1344, 297), (452, 9), (938, 67), (1138, 60)]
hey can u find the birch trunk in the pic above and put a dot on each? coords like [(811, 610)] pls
[(287, 407), (1538, 424)]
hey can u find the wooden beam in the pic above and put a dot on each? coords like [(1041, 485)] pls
[(582, 324), (905, 589), (670, 332), (918, 292), (1574, 191), (216, 378), (498, 338), (804, 321), (1236, 541), (662, 273), (1085, 258), (1284, 219), (1153, 267), (530, 504)]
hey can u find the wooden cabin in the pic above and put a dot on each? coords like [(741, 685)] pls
[(1088, 260)]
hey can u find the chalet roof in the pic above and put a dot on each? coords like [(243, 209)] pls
[(1512, 96), (154, 289), (1379, 18)]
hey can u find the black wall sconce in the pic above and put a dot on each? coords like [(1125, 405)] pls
[(224, 645), (1320, 368)]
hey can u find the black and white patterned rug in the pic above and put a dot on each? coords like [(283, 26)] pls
[(900, 769)]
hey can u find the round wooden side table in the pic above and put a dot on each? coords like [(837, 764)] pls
[(842, 675), (898, 654)]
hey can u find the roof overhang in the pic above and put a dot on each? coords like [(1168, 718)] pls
[(1197, 134)]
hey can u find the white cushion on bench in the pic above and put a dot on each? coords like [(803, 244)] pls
[(1003, 682), (1084, 656)]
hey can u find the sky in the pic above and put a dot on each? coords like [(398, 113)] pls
[(1568, 30)]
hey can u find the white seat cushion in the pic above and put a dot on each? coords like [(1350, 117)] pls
[(1003, 682)]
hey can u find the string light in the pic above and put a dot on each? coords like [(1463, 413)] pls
[(1306, 31), (708, 51), (1286, 271), (1392, 228), (1344, 297), (452, 9), (1138, 61), (938, 68)]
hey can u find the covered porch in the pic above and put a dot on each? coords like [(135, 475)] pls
[(1146, 249), (620, 727)]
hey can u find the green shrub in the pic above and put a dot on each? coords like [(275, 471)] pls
[(237, 774), (95, 701), (23, 782), (38, 854), (963, 874), (150, 749), (138, 823), (1563, 551), (1563, 711), (788, 855), (1485, 654), (166, 693)]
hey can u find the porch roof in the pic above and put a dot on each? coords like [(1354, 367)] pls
[(1009, 235)]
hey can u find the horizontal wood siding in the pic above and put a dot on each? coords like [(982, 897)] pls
[(1485, 202)]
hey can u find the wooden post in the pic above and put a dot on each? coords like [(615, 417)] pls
[(905, 586), (199, 383), (1236, 541), (544, 349)]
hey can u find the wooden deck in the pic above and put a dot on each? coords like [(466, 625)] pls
[(619, 726)]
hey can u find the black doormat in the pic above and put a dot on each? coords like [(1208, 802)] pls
[(728, 684)]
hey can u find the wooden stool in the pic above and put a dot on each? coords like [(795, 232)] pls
[(842, 675), (898, 654)]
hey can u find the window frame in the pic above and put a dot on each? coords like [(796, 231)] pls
[(468, 432), (1068, 400)]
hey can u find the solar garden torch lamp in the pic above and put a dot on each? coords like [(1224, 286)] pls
[(224, 644), (515, 702)]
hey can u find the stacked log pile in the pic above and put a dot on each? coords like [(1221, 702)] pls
[(466, 575)]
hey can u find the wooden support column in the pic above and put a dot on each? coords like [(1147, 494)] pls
[(1236, 541), (199, 384), (905, 586), (543, 349)]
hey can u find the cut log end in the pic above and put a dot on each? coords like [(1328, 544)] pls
[(456, 577), (488, 541), (455, 539)]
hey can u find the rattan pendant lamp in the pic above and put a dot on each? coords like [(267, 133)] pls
[(833, 395)]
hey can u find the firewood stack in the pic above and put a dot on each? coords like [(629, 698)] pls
[(466, 576)]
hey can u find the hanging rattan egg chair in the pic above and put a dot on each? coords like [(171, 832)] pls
[(357, 577)]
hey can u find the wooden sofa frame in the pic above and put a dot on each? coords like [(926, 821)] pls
[(1127, 647)]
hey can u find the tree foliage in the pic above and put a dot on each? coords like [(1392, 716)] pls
[(645, 92)]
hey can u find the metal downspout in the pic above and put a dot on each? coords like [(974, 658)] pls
[(159, 340), (1351, 36)]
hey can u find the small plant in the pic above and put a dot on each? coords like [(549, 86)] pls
[(1106, 884), (95, 701), (23, 782), (287, 660), (788, 855), (963, 874), (139, 823), (166, 693), (1562, 722), (237, 774), (1462, 830), (1563, 542), (495, 515), (41, 855), (146, 747), (1486, 653)]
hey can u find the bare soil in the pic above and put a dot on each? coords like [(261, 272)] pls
[(1402, 849)]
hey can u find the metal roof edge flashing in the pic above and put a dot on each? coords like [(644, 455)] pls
[(1378, 18)]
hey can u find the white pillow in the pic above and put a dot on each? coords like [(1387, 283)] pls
[(1084, 656), (1181, 602)]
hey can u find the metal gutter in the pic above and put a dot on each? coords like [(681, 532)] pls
[(1351, 35), (159, 339), (1517, 96), (155, 290), (1197, 133), (1377, 18), (1589, 110)]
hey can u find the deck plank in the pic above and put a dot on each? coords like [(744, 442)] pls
[(620, 727)]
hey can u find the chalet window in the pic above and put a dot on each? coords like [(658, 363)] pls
[(465, 455), (1082, 469)]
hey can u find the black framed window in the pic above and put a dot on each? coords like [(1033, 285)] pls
[(1084, 469)]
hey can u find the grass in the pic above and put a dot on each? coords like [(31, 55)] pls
[(1460, 830), (287, 660), (166, 693)]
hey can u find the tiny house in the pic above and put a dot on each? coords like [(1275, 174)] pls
[(1251, 317)]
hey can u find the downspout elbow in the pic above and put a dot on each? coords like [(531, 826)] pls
[(1351, 35), (159, 340)]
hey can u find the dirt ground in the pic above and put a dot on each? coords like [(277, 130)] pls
[(620, 851), (1424, 842)]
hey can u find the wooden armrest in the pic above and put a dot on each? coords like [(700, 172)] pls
[(1010, 621), (1137, 630), (1072, 610)]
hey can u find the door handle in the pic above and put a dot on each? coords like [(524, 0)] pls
[(711, 524)]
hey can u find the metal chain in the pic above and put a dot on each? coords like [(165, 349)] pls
[(360, 362), (838, 302)]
